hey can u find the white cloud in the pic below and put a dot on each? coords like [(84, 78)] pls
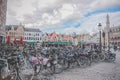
[(18, 8), (90, 24), (46, 14), (66, 10), (45, 3), (100, 4), (58, 16), (73, 29)]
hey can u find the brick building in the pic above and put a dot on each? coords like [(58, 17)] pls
[(3, 11)]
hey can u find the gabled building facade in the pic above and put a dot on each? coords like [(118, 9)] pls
[(112, 34), (32, 35), (54, 37), (115, 35), (15, 31)]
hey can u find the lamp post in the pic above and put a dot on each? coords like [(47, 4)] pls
[(99, 28), (108, 40), (103, 34)]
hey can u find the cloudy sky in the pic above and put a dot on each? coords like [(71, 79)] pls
[(63, 16)]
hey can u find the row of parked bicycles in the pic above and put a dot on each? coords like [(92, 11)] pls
[(26, 65)]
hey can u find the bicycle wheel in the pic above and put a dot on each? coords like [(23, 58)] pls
[(26, 72), (66, 64), (84, 61), (2, 74), (37, 68), (78, 64), (111, 59), (58, 68), (12, 72), (101, 57), (95, 58)]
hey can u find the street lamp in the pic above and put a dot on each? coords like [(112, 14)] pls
[(103, 35), (99, 28), (109, 40)]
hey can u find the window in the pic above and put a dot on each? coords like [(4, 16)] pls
[(10, 33)]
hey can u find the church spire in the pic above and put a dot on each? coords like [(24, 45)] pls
[(108, 21)]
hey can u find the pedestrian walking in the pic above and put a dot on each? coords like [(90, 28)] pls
[(115, 47)]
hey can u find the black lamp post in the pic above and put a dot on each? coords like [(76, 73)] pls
[(99, 28), (103, 34), (108, 40)]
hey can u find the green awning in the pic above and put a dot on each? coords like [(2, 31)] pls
[(81, 42), (57, 42), (29, 42)]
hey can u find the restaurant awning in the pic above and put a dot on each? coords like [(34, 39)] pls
[(57, 43), (81, 42)]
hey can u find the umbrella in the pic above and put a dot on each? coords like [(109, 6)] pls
[(8, 40), (21, 40), (14, 41)]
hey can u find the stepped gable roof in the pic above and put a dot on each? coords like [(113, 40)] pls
[(9, 27), (32, 30)]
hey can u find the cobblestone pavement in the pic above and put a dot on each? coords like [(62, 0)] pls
[(98, 71)]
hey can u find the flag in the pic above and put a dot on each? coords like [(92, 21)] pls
[(8, 40), (21, 40), (14, 41)]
